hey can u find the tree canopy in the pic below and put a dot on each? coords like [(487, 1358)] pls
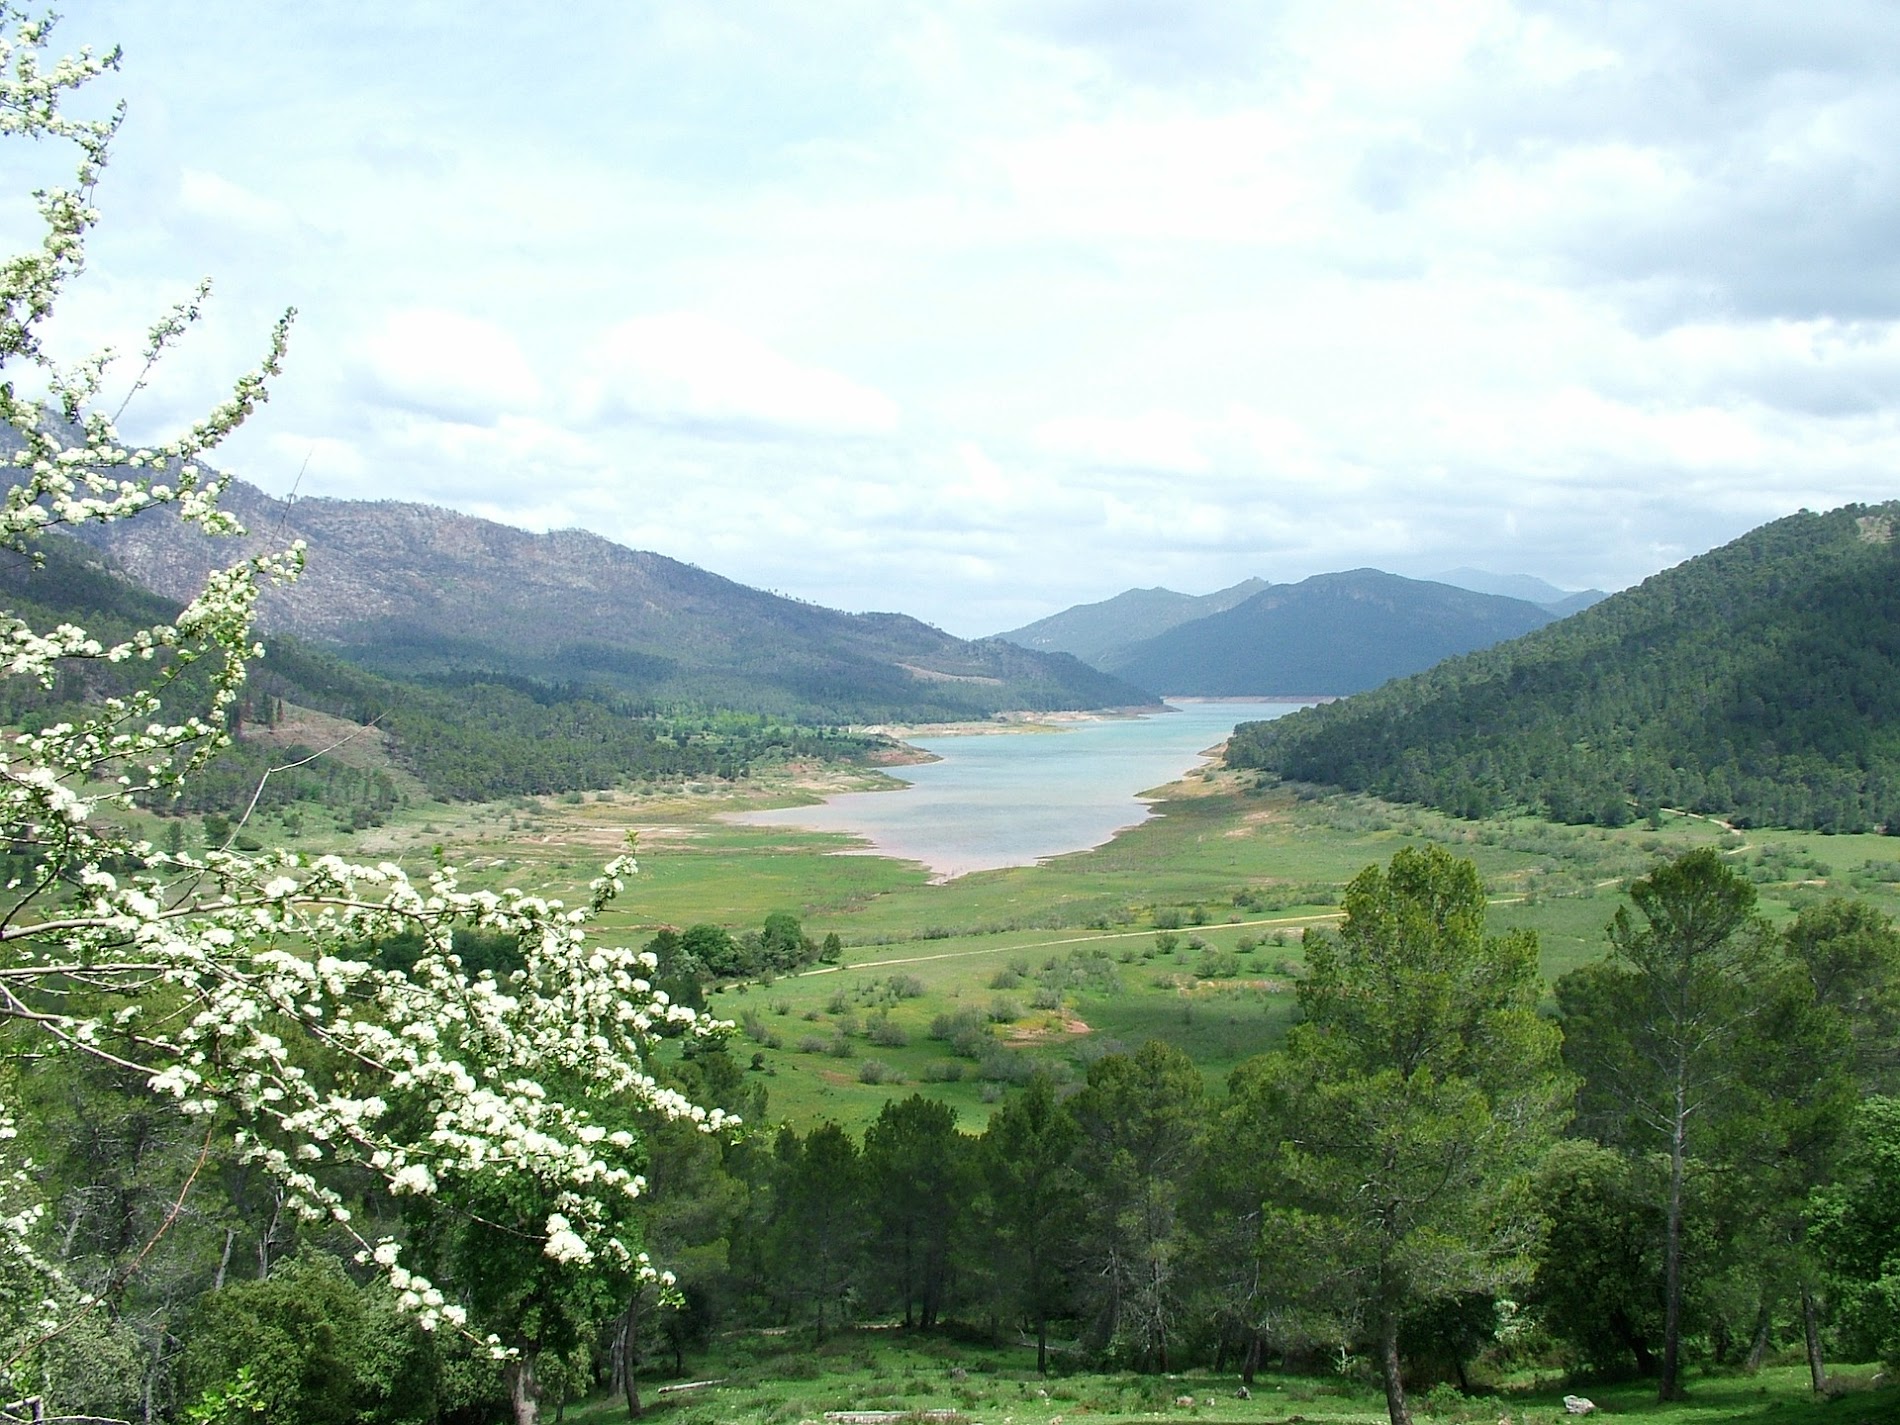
[(1759, 682)]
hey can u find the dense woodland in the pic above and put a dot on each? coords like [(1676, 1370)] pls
[(1536, 1199), (1759, 683)]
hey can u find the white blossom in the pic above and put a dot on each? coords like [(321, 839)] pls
[(222, 978)]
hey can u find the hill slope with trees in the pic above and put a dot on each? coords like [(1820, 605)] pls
[(462, 736), (1759, 682), (1329, 635), (418, 590)]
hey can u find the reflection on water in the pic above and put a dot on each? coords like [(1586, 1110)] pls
[(1012, 799)]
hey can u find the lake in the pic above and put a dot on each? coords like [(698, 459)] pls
[(1013, 798)]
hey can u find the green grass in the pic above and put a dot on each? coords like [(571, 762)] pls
[(1226, 860), (783, 1378)]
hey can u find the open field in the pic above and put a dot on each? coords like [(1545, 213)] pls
[(1185, 928), (781, 1379)]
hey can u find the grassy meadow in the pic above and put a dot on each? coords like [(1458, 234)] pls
[(1185, 928), (767, 1379)]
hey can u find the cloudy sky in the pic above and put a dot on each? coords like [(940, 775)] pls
[(976, 310)]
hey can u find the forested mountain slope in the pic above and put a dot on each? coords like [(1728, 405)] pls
[(414, 589), (1328, 635), (460, 736), (1759, 682), (1101, 634)]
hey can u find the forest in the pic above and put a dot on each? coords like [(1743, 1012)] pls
[(1686, 1161), (1759, 683)]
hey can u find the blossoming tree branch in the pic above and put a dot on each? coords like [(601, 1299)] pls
[(237, 986)]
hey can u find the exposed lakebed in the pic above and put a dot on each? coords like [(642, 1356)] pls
[(1014, 798)]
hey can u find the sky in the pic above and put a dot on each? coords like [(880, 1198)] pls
[(977, 310)]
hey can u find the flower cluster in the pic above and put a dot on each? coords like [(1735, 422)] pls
[(237, 985)]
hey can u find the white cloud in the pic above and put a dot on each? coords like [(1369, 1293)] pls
[(1215, 290), (1152, 440), (448, 365), (325, 461), (686, 368), (219, 200)]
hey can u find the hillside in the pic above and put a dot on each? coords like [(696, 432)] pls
[(418, 590), (1100, 634), (461, 738), (1759, 682), (1329, 635)]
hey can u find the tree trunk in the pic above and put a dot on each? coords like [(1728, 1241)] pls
[(1250, 1363), (1042, 1343), (626, 1356), (1811, 1325), (1395, 1407), (1670, 1386), (1764, 1328), (524, 1391), (224, 1259)]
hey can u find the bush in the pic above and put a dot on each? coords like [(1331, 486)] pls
[(887, 1035), (1217, 965), (949, 1026), (1000, 1065), (971, 1041), (312, 1341)]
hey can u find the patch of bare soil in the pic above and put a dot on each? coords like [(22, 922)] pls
[(1254, 820), (1065, 1028), (336, 739), (934, 675)]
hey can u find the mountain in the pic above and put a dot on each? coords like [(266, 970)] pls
[(1529, 588), (1759, 682), (1329, 635), (417, 590), (1100, 633), (473, 737)]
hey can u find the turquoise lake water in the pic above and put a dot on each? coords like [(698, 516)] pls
[(1011, 799)]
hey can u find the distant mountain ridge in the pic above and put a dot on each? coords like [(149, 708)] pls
[(1101, 633), (419, 590), (1328, 635), (1759, 682), (1562, 602)]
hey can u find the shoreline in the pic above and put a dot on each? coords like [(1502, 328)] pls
[(944, 834), (1059, 720)]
